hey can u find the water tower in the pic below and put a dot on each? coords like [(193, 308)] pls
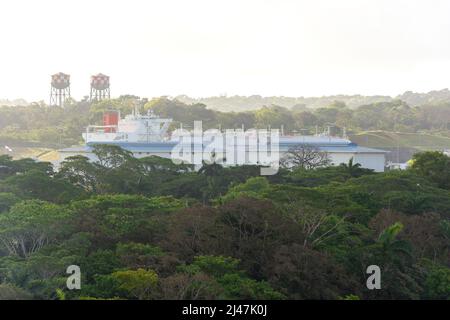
[(60, 89), (99, 87)]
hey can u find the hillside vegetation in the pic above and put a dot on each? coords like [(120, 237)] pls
[(149, 229), (385, 139), (243, 103), (392, 124)]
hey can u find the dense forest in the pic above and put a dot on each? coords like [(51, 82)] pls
[(149, 229), (45, 126)]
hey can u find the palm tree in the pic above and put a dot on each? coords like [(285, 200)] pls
[(393, 249), (351, 168)]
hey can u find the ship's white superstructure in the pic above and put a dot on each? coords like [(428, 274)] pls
[(134, 127), (147, 135)]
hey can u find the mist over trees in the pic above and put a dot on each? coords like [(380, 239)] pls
[(245, 103)]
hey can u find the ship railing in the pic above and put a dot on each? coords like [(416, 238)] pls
[(99, 129)]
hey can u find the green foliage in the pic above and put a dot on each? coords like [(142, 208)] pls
[(47, 126), (31, 224), (397, 190), (60, 294), (254, 187), (140, 283), (239, 287), (350, 297), (138, 254), (111, 156), (99, 262), (7, 200), (114, 218), (36, 184), (10, 167), (232, 281), (433, 165), (79, 171), (211, 265), (392, 248), (11, 292), (149, 229), (437, 284)]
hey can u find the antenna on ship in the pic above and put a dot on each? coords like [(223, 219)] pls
[(135, 110)]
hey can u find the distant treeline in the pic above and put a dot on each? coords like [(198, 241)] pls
[(395, 115), (39, 124), (244, 103)]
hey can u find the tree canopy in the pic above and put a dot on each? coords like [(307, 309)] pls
[(149, 229)]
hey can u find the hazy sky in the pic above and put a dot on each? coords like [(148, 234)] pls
[(212, 47)]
